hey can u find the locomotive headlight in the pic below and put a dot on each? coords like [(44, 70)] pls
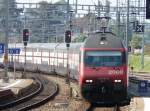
[(102, 43), (89, 81), (118, 81)]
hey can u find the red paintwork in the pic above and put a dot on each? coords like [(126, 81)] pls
[(102, 72)]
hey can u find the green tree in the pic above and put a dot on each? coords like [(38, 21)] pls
[(135, 42), (80, 38)]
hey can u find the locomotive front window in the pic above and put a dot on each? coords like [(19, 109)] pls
[(103, 58)]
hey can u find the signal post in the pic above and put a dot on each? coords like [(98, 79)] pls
[(25, 41), (68, 41)]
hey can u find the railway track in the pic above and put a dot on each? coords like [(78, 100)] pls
[(135, 78), (145, 76), (95, 107), (85, 106), (73, 105), (46, 91), (82, 105)]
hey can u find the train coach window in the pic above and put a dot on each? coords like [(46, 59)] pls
[(103, 58)]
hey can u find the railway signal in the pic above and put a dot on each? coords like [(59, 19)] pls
[(25, 41), (68, 41), (147, 9), (25, 36), (68, 36)]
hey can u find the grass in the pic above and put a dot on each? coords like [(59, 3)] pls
[(135, 61)]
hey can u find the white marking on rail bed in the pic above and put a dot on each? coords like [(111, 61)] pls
[(61, 104), (146, 104), (13, 84)]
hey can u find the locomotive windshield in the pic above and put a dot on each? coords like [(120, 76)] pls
[(103, 58)]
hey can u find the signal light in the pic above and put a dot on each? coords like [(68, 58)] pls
[(68, 36), (147, 9), (25, 36)]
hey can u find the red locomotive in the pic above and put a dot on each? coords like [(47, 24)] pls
[(103, 69)]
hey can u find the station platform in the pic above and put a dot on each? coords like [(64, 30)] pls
[(140, 89), (15, 87)]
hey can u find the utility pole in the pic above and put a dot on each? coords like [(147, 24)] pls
[(142, 55), (118, 19), (68, 11), (68, 27), (139, 6), (24, 71), (127, 28), (43, 26), (25, 41), (143, 40), (76, 6), (108, 8), (6, 78), (15, 63), (43, 39), (68, 34), (107, 14), (71, 16), (56, 37), (98, 16), (99, 12)]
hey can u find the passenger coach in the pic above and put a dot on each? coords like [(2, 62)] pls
[(99, 64)]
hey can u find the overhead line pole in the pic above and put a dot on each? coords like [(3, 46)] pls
[(99, 11), (6, 78), (76, 6), (118, 19), (99, 15), (127, 28), (142, 55), (25, 51), (67, 14), (68, 27), (143, 42)]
